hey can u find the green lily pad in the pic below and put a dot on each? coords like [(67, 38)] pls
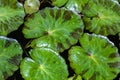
[(76, 5), (11, 16), (102, 17), (59, 3), (44, 64), (96, 59), (61, 26), (31, 6), (10, 56)]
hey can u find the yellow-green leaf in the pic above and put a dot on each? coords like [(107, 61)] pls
[(44, 64)]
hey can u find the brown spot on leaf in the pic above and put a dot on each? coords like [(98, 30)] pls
[(67, 15), (7, 43), (6, 75), (42, 13), (52, 12), (58, 14), (15, 60), (60, 46)]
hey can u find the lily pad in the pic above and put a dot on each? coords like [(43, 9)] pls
[(58, 3), (102, 17), (44, 64), (10, 56), (76, 5), (96, 59), (31, 6), (61, 26), (11, 16)]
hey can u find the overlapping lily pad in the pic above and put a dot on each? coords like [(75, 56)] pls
[(96, 59), (55, 26), (102, 17), (44, 64), (11, 16), (76, 5), (10, 56)]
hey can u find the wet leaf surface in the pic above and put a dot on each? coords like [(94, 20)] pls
[(44, 64), (96, 59)]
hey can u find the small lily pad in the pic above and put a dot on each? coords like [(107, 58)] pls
[(10, 57), (31, 6), (96, 59), (11, 16), (44, 64), (61, 26), (102, 17)]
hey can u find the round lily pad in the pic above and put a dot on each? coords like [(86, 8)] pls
[(76, 5), (10, 57), (102, 17), (11, 16), (31, 6), (59, 25), (44, 64), (96, 59)]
